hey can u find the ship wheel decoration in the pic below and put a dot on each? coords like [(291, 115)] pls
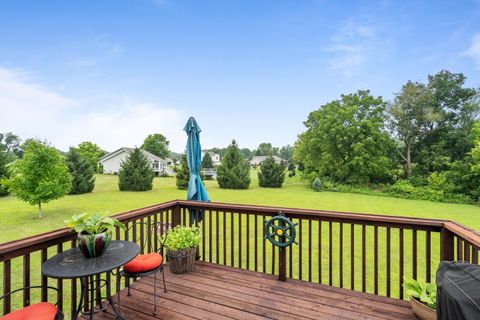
[(280, 231)]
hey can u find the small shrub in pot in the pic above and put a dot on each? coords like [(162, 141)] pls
[(181, 243)]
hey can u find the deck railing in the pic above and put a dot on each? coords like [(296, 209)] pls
[(362, 252)]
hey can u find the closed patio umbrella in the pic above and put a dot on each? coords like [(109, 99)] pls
[(196, 189)]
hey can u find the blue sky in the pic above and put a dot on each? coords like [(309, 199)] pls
[(114, 71)]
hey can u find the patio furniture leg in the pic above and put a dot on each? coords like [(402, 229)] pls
[(116, 310), (128, 287), (92, 296), (164, 285), (155, 294), (80, 303)]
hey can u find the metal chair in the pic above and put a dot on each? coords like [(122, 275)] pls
[(34, 308), (155, 230)]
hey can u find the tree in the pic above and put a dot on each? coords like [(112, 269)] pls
[(82, 172), (40, 176), (291, 169), (92, 152), (207, 161), (234, 172), (156, 144), (266, 149), (410, 112), (3, 172), (346, 141), (183, 174), (10, 143), (271, 174), (135, 173), (286, 152), (246, 153)]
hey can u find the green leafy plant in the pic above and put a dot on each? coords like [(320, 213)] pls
[(182, 238), (317, 184), (93, 223), (425, 292)]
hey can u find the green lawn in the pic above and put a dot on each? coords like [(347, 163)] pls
[(19, 219)]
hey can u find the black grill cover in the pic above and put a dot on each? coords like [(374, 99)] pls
[(458, 291)]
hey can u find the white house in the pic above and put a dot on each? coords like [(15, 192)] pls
[(257, 160), (112, 162), (215, 157)]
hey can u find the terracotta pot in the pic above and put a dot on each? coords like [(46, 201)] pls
[(422, 311), (94, 245)]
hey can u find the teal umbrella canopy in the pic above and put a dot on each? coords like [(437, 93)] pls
[(196, 189)]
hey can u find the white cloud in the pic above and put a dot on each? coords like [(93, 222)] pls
[(474, 50), (351, 47), (33, 111)]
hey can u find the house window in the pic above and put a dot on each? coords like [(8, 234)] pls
[(155, 165)]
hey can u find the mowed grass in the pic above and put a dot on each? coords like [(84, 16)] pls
[(19, 220)]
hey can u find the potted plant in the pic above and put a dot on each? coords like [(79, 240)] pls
[(181, 243), (423, 298), (94, 232)]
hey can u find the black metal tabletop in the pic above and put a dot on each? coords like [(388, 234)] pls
[(72, 264)]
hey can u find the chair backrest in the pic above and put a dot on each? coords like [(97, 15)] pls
[(26, 290), (150, 236)]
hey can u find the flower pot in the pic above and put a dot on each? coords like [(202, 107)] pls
[(94, 245), (181, 261), (422, 311)]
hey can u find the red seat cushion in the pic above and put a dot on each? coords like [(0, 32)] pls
[(143, 263), (38, 311)]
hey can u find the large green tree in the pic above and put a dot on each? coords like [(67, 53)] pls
[(156, 144), (410, 112), (445, 137), (40, 176), (346, 140), (91, 151), (271, 174), (286, 152), (207, 161), (136, 173), (266, 149), (82, 171), (234, 172)]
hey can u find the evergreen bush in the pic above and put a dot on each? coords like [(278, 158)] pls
[(136, 173), (183, 174), (82, 172), (234, 172), (271, 174), (317, 184)]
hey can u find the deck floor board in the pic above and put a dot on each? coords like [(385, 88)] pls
[(218, 292)]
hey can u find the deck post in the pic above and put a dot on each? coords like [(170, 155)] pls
[(176, 217), (446, 245), (282, 267)]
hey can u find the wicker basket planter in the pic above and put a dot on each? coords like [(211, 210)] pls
[(181, 261), (422, 311)]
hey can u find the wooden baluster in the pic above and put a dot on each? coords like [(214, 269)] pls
[(255, 235), (149, 234), (248, 240), (364, 258), (300, 236), (26, 279), (73, 286), (203, 232), (330, 253), (414, 254), (240, 240), (340, 261), (375, 260), (60, 283), (224, 227), (446, 245), (44, 281), (319, 251), (309, 250), (466, 251), (7, 285), (352, 257), (210, 235), (142, 235), (264, 249), (232, 240), (428, 256), (459, 249), (401, 256), (217, 238), (389, 259), (474, 255)]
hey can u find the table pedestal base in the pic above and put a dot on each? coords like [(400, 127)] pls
[(91, 292)]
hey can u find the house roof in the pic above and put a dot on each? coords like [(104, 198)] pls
[(128, 150), (259, 159)]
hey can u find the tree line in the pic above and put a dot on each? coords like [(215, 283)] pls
[(425, 144)]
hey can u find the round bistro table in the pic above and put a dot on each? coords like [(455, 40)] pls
[(71, 264)]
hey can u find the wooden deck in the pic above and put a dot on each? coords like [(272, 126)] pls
[(218, 292)]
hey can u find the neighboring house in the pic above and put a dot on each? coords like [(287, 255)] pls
[(215, 157), (170, 161), (257, 160), (112, 162)]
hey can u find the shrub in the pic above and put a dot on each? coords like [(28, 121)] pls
[(234, 172), (182, 238), (136, 173), (183, 174), (3, 172), (82, 171), (404, 189), (317, 184), (271, 174)]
